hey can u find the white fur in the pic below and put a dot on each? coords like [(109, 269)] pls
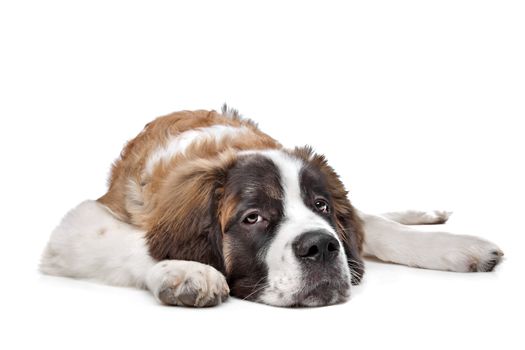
[(393, 242), (418, 217), (91, 243), (284, 272), (179, 143)]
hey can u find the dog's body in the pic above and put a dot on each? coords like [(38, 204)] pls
[(203, 203)]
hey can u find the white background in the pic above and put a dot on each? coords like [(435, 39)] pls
[(417, 104)]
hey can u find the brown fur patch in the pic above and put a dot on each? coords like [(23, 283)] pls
[(226, 209), (184, 223), (227, 254), (132, 195)]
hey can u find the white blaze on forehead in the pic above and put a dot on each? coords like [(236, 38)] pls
[(179, 143), (295, 211)]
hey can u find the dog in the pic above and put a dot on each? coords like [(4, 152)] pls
[(202, 205)]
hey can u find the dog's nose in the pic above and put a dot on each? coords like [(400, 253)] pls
[(316, 246)]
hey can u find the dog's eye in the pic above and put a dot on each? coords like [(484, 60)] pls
[(252, 218), (321, 206)]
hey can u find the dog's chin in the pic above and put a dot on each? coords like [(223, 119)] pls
[(315, 289), (322, 293)]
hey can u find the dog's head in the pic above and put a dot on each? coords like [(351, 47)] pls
[(277, 223)]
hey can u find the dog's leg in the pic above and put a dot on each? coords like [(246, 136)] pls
[(91, 243), (391, 241), (418, 217)]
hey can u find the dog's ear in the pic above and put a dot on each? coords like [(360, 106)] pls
[(350, 229), (184, 224), (348, 225)]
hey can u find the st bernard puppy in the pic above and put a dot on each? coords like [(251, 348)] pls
[(203, 204)]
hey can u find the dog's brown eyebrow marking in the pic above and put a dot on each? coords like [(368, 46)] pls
[(227, 208)]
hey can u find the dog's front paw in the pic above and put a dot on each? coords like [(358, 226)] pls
[(188, 283), (472, 254)]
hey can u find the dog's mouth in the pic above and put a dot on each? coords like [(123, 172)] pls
[(322, 293)]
